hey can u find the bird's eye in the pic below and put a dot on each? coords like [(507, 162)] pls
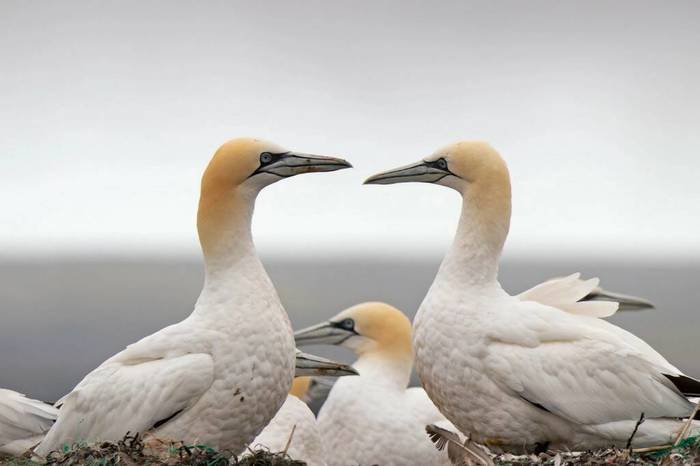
[(265, 157), (442, 164), (347, 324)]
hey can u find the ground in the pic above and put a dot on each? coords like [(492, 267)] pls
[(132, 451), (686, 453)]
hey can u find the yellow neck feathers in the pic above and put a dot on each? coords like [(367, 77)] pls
[(224, 215)]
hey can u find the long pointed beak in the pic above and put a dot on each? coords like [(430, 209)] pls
[(310, 365), (296, 163), (324, 333), (417, 172)]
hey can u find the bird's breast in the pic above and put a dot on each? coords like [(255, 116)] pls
[(254, 359)]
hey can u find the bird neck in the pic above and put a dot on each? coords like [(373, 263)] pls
[(483, 228), (386, 367), (224, 225)]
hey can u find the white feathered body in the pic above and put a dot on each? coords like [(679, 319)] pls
[(23, 422), (515, 373), (366, 421), (225, 371), (306, 444)]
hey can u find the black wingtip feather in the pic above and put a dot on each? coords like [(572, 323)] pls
[(688, 386)]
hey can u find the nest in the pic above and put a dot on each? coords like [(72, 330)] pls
[(686, 453), (134, 450)]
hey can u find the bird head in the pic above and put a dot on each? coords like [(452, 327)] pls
[(478, 173), (231, 182), (364, 328), (461, 166), (254, 164)]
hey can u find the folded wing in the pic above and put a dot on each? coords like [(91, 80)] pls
[(585, 370), (131, 395)]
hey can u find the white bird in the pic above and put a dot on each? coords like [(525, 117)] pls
[(570, 293), (23, 422), (294, 429), (517, 374), (220, 375), (374, 418)]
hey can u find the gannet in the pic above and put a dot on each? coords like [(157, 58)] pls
[(23, 422), (518, 374), (374, 418), (571, 293), (220, 375)]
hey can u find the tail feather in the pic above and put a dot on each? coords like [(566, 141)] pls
[(626, 302)]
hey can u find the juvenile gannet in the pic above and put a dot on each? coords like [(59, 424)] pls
[(373, 418), (517, 373), (220, 375), (23, 422)]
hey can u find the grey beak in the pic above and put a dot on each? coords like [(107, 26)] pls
[(296, 163), (417, 172), (310, 365), (324, 333)]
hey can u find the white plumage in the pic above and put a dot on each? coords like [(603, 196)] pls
[(294, 428), (566, 293), (516, 373), (23, 422), (374, 418), (221, 374)]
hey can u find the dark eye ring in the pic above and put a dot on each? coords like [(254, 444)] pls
[(347, 324), (442, 163), (265, 157)]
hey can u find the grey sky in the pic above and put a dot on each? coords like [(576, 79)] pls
[(110, 110)]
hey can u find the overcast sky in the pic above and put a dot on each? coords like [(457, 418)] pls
[(110, 110)]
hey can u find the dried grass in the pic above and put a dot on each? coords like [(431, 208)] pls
[(133, 450)]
